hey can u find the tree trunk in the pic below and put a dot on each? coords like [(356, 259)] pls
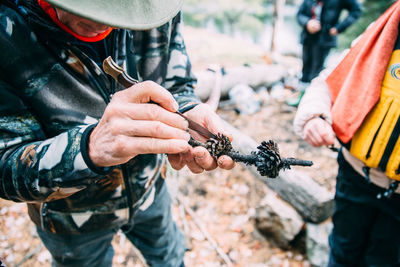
[(277, 20)]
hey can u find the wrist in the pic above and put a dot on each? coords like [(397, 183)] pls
[(85, 153)]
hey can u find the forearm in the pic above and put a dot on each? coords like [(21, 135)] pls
[(37, 171), (301, 16), (315, 102), (354, 13)]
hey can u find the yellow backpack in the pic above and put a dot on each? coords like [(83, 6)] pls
[(377, 141)]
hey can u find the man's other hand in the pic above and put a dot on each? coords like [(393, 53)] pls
[(198, 159)]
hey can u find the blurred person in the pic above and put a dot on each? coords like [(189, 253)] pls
[(320, 24), (359, 103), (86, 154)]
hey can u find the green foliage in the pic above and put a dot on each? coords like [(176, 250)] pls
[(244, 15), (372, 9)]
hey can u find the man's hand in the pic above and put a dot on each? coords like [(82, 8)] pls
[(313, 26), (131, 126), (198, 159), (318, 132), (333, 31)]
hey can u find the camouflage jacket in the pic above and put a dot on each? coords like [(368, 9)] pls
[(52, 93)]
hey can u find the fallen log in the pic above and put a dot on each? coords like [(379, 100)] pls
[(252, 75), (313, 202), (215, 94)]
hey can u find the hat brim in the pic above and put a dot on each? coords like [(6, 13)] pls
[(127, 14)]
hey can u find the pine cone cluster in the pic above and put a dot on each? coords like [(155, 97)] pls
[(220, 146), (268, 159)]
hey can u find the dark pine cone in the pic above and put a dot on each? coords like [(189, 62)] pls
[(219, 146), (268, 159)]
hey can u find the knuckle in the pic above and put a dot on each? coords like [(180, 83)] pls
[(157, 128), (112, 110), (117, 97), (148, 84), (117, 146), (153, 112), (152, 144)]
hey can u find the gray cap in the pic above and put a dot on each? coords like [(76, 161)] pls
[(127, 14)]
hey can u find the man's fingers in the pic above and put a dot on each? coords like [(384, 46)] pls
[(204, 159), (226, 162), (154, 129), (146, 92), (176, 161), (145, 145), (148, 112)]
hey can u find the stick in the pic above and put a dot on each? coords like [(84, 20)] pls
[(214, 243), (29, 255), (186, 230)]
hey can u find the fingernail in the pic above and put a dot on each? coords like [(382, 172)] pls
[(220, 162)]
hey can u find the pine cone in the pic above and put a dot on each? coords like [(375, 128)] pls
[(268, 161), (219, 146)]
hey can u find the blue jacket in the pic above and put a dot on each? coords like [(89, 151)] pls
[(329, 18)]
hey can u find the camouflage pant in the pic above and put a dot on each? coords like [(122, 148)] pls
[(154, 233)]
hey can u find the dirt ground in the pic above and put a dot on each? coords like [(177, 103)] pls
[(223, 202)]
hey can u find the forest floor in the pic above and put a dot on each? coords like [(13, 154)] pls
[(223, 202)]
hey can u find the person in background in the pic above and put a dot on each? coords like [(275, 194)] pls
[(86, 154), (320, 24), (359, 103)]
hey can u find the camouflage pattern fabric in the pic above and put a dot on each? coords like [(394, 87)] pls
[(51, 94)]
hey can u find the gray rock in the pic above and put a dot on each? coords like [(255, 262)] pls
[(277, 220), (317, 244)]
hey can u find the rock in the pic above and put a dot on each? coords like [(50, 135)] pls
[(317, 243), (245, 99), (276, 219)]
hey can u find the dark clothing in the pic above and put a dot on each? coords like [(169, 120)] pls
[(330, 15), (366, 229), (153, 233), (52, 94), (314, 56), (316, 46)]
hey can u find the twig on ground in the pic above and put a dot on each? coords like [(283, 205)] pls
[(186, 230), (201, 227), (29, 255)]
